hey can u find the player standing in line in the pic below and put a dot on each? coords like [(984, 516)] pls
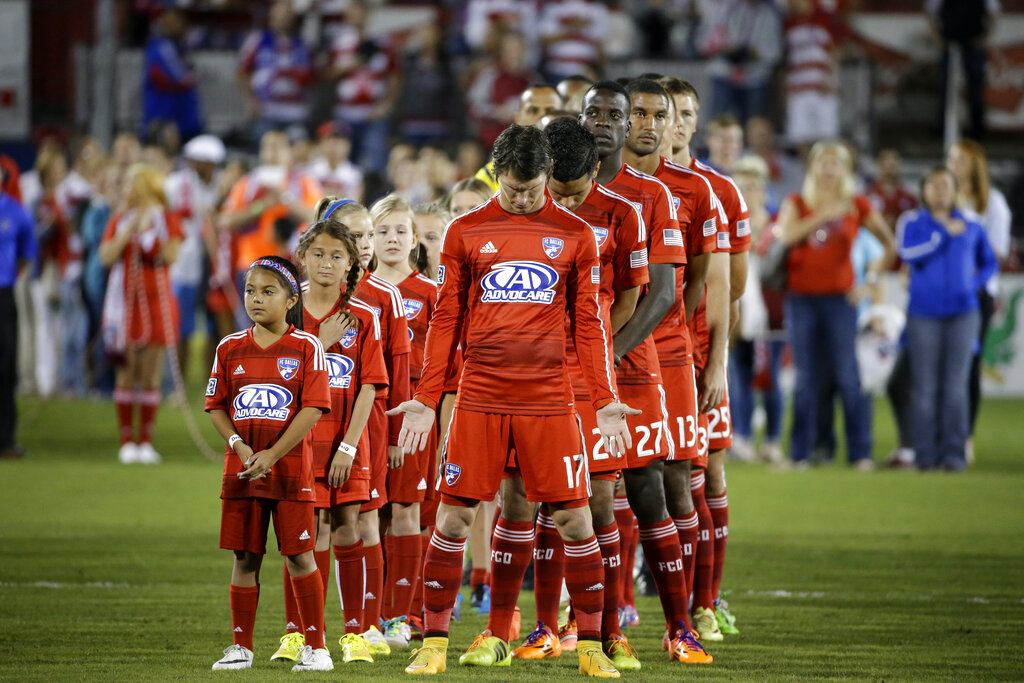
[(268, 387), (652, 114), (511, 270), (396, 245), (386, 301), (622, 247), (350, 334), (712, 617)]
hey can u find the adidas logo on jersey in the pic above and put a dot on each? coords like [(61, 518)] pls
[(489, 248), (433, 584), (374, 494), (239, 370), (422, 486), (304, 536), (352, 622), (402, 582)]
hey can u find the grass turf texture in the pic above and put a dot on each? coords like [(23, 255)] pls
[(110, 572)]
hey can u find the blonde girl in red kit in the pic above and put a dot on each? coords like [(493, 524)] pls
[(399, 258), (268, 387), (386, 301), (350, 333), (140, 314)]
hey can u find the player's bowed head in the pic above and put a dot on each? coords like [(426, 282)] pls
[(522, 164)]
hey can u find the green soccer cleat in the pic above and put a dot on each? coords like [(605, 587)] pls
[(706, 624), (726, 619), (621, 653), (354, 649), (375, 642), (487, 650), (291, 646)]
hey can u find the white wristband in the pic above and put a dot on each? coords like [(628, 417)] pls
[(232, 440), (348, 450)]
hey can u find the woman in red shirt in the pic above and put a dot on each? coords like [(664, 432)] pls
[(819, 226), (140, 313)]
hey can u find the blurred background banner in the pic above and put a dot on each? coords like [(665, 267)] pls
[(14, 69), (1002, 356)]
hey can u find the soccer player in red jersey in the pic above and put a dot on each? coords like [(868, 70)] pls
[(268, 387), (350, 334), (652, 113), (711, 325), (622, 245), (511, 271), (396, 246)]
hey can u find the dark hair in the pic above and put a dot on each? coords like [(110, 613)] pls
[(646, 86), (934, 171), (339, 231), (294, 315), (611, 86), (573, 148), (523, 151), (623, 80), (677, 86), (650, 76)]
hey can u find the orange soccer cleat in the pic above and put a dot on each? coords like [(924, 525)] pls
[(540, 644), (687, 649)]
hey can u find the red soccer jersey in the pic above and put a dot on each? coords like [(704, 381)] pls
[(698, 217), (386, 300), (664, 245), (419, 296), (354, 361), (507, 282), (262, 390), (622, 244), (734, 237)]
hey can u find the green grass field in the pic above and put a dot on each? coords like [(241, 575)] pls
[(110, 572)]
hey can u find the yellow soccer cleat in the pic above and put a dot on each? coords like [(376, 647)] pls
[(687, 649), (706, 624), (487, 650), (375, 642), (291, 646), (593, 661), (622, 654), (429, 659), (354, 649), (540, 644)]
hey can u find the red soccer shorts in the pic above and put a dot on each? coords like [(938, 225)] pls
[(356, 489), (701, 459), (681, 391), (720, 425), (244, 523), (651, 438), (548, 455), (408, 483), (377, 432)]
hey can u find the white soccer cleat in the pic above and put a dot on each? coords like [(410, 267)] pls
[(129, 454), (147, 455), (235, 657), (397, 632), (314, 660)]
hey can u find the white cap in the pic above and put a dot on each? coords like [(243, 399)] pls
[(206, 148)]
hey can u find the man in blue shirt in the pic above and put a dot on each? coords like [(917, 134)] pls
[(18, 248), (169, 92)]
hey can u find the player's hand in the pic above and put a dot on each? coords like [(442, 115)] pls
[(611, 422), (243, 451), (416, 426), (711, 387), (259, 466), (341, 469), (396, 457), (334, 327)]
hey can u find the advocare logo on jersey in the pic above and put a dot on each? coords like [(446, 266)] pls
[(524, 282), (349, 338), (601, 234), (339, 369), (412, 308), (262, 402)]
